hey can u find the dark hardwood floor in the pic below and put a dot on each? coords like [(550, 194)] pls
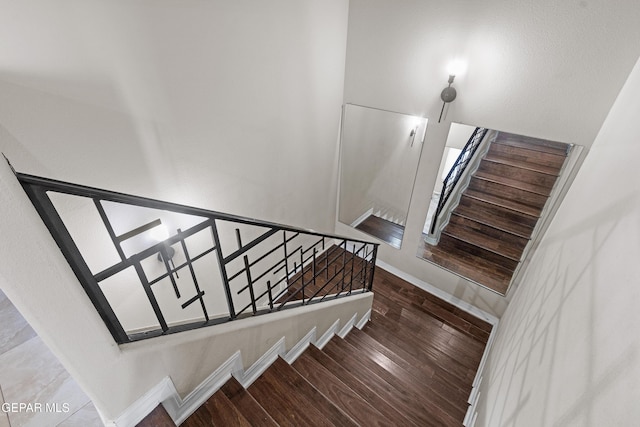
[(489, 229), (384, 230), (413, 364)]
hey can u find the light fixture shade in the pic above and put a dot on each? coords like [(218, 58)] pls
[(448, 94)]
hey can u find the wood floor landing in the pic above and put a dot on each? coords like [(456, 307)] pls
[(413, 364), (384, 230)]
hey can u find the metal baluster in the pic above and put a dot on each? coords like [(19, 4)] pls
[(250, 283)]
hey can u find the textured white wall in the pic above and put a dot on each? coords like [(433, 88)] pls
[(567, 351), (214, 104), (539, 68), (232, 106), (379, 160)]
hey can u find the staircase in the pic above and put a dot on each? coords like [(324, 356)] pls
[(413, 364), (489, 229)]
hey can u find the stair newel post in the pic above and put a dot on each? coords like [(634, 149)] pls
[(223, 268)]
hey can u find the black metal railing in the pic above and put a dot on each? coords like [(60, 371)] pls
[(452, 178), (203, 275)]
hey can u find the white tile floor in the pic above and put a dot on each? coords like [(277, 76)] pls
[(31, 374)]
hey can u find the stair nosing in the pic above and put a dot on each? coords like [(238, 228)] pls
[(447, 268), (480, 195), (481, 247), (488, 179), (490, 176), (500, 206), (497, 159), (531, 146), (490, 225)]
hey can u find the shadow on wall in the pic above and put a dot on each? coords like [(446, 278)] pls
[(555, 367)]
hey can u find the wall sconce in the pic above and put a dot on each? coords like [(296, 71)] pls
[(447, 95)]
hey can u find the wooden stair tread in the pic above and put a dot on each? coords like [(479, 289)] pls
[(412, 365), (530, 143), (515, 183), (434, 376), (458, 363), (218, 410), (542, 167), (340, 394), (383, 229), (489, 243), (504, 203), (504, 219), (486, 274), (505, 237), (246, 404), (511, 176), (459, 245), (431, 362), (507, 192), (442, 310), (157, 418), (360, 386), (281, 375), (419, 407)]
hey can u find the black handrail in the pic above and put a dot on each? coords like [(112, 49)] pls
[(250, 287), (456, 171)]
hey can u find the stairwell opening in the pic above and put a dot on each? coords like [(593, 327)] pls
[(499, 196)]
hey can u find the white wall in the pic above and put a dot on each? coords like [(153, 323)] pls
[(544, 69), (379, 160), (567, 351), (213, 104), (232, 106)]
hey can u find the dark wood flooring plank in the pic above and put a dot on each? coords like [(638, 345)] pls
[(401, 342), (384, 230), (375, 395), (424, 373), (157, 418), (422, 406), (394, 284), (246, 404), (305, 403), (415, 412), (339, 393), (283, 403), (217, 411), (429, 305)]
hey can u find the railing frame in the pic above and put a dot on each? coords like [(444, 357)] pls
[(450, 182), (37, 187)]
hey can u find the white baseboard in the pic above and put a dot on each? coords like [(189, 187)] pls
[(363, 321), (347, 326), (145, 404), (246, 378), (362, 217), (301, 346), (180, 409), (324, 339)]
